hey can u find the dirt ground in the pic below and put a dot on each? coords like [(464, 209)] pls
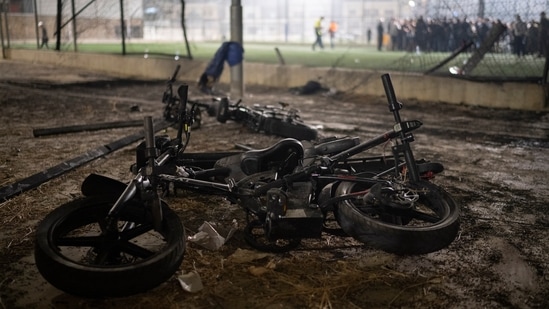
[(496, 167)]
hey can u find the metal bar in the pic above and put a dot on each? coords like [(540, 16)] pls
[(86, 127), (449, 58), (37, 179), (279, 55), (73, 17)]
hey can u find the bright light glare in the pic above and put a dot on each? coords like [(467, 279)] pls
[(412, 3)]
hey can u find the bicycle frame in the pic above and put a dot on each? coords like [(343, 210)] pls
[(286, 190), (150, 175), (401, 132)]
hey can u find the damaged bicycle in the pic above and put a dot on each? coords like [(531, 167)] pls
[(122, 238)]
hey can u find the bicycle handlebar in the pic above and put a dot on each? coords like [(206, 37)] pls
[(174, 76), (394, 104), (150, 149), (183, 92)]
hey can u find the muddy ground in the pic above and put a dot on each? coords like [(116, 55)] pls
[(496, 166)]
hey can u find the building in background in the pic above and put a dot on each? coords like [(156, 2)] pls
[(206, 20), (288, 21)]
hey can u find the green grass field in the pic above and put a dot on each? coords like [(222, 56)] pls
[(342, 56), (346, 56)]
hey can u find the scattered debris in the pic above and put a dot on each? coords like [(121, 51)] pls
[(209, 238), (190, 282), (311, 87), (245, 256)]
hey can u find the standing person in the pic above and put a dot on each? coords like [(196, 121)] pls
[(393, 29), (379, 34), (318, 33), (519, 34), (332, 30), (543, 34), (544, 46), (421, 34), (45, 38)]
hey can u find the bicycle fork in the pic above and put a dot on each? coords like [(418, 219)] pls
[(144, 182)]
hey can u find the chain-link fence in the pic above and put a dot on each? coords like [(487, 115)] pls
[(429, 31)]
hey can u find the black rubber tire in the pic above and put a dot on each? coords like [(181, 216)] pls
[(401, 234), (222, 110), (213, 107), (294, 130), (74, 267)]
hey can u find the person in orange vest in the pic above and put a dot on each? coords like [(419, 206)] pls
[(332, 30), (318, 33)]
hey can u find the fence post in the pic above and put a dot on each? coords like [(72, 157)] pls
[(2, 30), (237, 80)]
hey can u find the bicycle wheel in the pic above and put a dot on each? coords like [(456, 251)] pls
[(430, 223), (73, 253)]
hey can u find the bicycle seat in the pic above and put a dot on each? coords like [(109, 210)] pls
[(285, 156)]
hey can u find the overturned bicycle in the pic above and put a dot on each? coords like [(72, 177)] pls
[(122, 238)]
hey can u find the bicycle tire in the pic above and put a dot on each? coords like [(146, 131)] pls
[(401, 235), (73, 256), (222, 110), (298, 131)]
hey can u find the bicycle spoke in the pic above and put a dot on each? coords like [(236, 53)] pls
[(80, 241), (134, 232), (135, 250)]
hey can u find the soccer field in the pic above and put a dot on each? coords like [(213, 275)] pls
[(349, 55), (346, 56)]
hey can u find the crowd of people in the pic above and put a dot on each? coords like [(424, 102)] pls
[(443, 35), (448, 34)]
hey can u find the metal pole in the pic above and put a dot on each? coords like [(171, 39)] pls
[(58, 24), (6, 25), (123, 27), (36, 24), (237, 71), (2, 30), (74, 34)]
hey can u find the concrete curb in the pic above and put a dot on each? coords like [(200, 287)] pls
[(512, 95)]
